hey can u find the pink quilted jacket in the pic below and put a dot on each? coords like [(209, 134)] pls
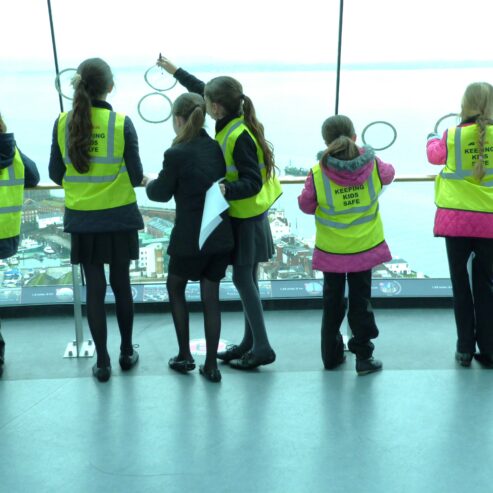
[(307, 201), (451, 222)]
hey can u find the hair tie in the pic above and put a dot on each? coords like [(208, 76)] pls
[(76, 80), (192, 110)]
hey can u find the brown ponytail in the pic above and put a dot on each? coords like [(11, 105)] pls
[(191, 107), (3, 127), (228, 92), (338, 133), (92, 81), (257, 129), (342, 148)]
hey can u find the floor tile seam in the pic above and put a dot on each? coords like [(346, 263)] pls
[(35, 404)]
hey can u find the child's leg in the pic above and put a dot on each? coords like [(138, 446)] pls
[(96, 314), (482, 285), (120, 284), (333, 314), (209, 294), (176, 289), (360, 315), (458, 252), (245, 281), (2, 347)]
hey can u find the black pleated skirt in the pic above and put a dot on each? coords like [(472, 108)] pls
[(104, 248), (253, 241)]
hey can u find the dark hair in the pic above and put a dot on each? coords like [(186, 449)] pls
[(342, 148), (93, 80), (477, 103), (3, 127), (191, 107), (338, 132), (228, 92)]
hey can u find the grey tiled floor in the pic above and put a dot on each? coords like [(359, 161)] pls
[(421, 425)]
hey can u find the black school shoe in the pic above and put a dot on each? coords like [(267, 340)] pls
[(181, 365), (103, 374), (250, 361), (128, 361), (231, 352), (213, 375), (333, 365), (485, 359), (366, 366), (464, 359)]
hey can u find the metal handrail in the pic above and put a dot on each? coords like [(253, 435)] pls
[(294, 180)]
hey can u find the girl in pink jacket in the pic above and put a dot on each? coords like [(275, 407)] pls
[(464, 216), (350, 239)]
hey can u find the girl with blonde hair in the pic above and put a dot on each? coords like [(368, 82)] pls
[(464, 217)]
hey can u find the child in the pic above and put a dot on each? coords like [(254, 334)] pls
[(251, 188), (17, 172), (464, 199), (95, 156), (342, 191), (190, 167)]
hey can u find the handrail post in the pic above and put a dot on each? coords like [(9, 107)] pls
[(78, 348)]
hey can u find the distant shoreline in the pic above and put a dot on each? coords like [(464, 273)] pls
[(235, 66)]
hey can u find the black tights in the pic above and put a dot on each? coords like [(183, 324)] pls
[(255, 334), (96, 313), (209, 294)]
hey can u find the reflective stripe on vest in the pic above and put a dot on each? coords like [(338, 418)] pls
[(347, 219), (106, 185), (455, 186), (271, 189), (11, 197)]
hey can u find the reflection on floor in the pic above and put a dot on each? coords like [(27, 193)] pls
[(421, 425)]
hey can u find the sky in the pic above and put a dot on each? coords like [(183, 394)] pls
[(261, 32)]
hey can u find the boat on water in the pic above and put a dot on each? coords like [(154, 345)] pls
[(13, 261), (296, 171), (48, 250), (29, 245)]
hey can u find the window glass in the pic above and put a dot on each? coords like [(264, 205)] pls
[(409, 65)]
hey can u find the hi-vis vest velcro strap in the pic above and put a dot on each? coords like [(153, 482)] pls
[(11, 197), (463, 153)]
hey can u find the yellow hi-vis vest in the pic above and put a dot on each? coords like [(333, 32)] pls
[(347, 218), (455, 186), (106, 185), (11, 197), (271, 188)]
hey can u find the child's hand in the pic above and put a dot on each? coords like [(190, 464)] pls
[(146, 180), (169, 66), (222, 187)]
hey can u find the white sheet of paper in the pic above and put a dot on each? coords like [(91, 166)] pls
[(215, 204)]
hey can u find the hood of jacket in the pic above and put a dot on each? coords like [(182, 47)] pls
[(7, 150), (353, 171)]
